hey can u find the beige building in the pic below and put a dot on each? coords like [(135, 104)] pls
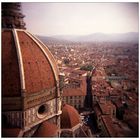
[(74, 97), (74, 92)]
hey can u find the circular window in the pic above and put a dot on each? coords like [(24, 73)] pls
[(42, 110)]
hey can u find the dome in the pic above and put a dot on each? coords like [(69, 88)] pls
[(28, 67), (69, 117), (46, 129), (30, 79)]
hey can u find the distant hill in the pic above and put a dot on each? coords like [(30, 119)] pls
[(47, 39), (99, 37), (96, 37)]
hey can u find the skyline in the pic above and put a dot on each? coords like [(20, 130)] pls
[(80, 18)]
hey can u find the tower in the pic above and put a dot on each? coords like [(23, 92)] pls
[(30, 81)]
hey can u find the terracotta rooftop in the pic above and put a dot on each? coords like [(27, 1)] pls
[(73, 92), (107, 120), (46, 129), (115, 128), (69, 117), (106, 107)]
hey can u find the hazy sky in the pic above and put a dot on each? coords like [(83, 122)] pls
[(80, 18)]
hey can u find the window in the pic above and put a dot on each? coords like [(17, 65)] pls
[(67, 99), (42, 111)]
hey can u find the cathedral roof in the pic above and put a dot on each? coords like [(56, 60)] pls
[(27, 64), (69, 117), (12, 132), (46, 129)]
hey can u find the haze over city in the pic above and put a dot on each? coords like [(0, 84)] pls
[(70, 70), (80, 18)]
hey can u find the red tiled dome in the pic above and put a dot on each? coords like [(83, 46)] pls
[(69, 117), (27, 64), (46, 129)]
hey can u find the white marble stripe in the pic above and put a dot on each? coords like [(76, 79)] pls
[(20, 61)]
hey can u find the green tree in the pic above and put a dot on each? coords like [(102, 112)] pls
[(87, 67)]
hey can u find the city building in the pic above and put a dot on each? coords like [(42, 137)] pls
[(75, 88), (104, 108), (107, 122), (74, 97), (111, 127)]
